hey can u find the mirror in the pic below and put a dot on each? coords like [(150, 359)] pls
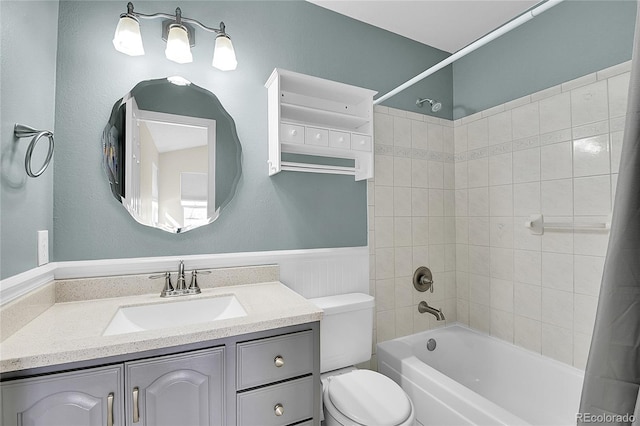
[(171, 154)]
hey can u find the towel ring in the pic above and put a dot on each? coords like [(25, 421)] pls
[(22, 131)]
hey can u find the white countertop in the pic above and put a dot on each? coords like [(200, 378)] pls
[(72, 331)]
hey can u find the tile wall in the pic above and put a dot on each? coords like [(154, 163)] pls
[(555, 152), (411, 220)]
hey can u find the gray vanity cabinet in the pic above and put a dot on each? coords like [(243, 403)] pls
[(186, 389), (80, 398)]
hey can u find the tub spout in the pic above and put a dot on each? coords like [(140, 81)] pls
[(424, 307)]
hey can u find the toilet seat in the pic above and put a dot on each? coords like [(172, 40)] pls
[(365, 397)]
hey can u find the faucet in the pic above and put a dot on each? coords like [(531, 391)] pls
[(181, 288), (424, 307)]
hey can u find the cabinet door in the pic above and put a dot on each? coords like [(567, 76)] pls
[(185, 390), (90, 397)]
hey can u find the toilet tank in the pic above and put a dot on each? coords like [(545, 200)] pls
[(345, 330)]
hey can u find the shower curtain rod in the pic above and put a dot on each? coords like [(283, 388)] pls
[(527, 16)]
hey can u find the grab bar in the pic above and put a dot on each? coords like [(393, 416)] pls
[(22, 131), (537, 225)]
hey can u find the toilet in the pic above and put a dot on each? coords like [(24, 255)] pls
[(352, 397)]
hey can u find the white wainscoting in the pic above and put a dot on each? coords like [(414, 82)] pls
[(311, 273)]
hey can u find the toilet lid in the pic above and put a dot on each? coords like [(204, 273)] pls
[(369, 398)]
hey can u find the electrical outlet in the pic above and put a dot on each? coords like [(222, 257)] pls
[(43, 247)]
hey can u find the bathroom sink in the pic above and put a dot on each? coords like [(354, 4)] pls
[(174, 313)]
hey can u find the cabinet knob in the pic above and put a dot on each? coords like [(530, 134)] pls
[(361, 142), (340, 139), (278, 410), (317, 136), (293, 132), (278, 361)]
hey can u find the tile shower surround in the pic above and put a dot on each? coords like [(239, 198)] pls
[(454, 196)]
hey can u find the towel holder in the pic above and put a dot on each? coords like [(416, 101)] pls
[(22, 131)]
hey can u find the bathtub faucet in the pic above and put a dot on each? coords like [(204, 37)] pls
[(424, 307)]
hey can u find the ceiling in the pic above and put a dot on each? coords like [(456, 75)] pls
[(448, 25)]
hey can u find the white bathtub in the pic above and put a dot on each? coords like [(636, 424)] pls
[(474, 379)]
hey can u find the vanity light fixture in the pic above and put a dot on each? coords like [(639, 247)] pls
[(179, 33)]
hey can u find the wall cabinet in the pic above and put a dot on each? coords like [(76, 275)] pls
[(321, 118), (266, 378)]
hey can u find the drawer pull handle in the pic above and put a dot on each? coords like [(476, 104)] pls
[(278, 361), (136, 407), (110, 409), (278, 410), (293, 132)]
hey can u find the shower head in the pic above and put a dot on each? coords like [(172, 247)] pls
[(435, 106)]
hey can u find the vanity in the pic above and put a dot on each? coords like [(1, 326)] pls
[(257, 363)]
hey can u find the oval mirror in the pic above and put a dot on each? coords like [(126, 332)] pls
[(171, 154)]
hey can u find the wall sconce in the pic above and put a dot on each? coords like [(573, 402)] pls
[(178, 32)]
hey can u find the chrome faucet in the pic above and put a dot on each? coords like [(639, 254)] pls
[(424, 307), (181, 288)]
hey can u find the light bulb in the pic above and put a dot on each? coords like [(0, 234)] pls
[(127, 38), (178, 48), (224, 57)]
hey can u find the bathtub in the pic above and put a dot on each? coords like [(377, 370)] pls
[(474, 379)]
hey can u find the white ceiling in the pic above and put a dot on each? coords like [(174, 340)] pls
[(448, 25), (173, 136)]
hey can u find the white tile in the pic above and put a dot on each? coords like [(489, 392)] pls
[(479, 231), (419, 135), (526, 199), (557, 308), (556, 161), (502, 294), (402, 132), (616, 151), (401, 201), (517, 102), (402, 235), (527, 266), (617, 124), (501, 200), (527, 300), (614, 70), (385, 294), (384, 231), (435, 138), (419, 173), (546, 93), (479, 261), (462, 230), (555, 137), (462, 309), (501, 232), (500, 172), (592, 195), (449, 203), (591, 243), (436, 202), (556, 197), (499, 126), (384, 201), (419, 202), (460, 139), (478, 174), (584, 313), (383, 129), (384, 170), (501, 263), (557, 271), (523, 239), (591, 156), (618, 94), (450, 261), (502, 325), (420, 256), (404, 321), (461, 175), (477, 134), (591, 129), (401, 171), (527, 333), (462, 258), (479, 201), (493, 110), (579, 82), (436, 174), (436, 230), (449, 176), (397, 112), (462, 202), (557, 241), (448, 142), (420, 231), (589, 104), (384, 263), (525, 121), (480, 317), (386, 321), (557, 343), (436, 257), (526, 165), (555, 113), (581, 346)]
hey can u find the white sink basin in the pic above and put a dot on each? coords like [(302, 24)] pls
[(174, 313)]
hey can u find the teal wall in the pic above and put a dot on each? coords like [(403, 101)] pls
[(27, 89), (287, 211), (570, 40)]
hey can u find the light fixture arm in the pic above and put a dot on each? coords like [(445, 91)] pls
[(178, 18)]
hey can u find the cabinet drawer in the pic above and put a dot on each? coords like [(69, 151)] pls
[(361, 142), (275, 358), (315, 136), (291, 133), (339, 140), (293, 401)]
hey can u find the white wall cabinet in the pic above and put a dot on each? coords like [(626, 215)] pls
[(321, 118)]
